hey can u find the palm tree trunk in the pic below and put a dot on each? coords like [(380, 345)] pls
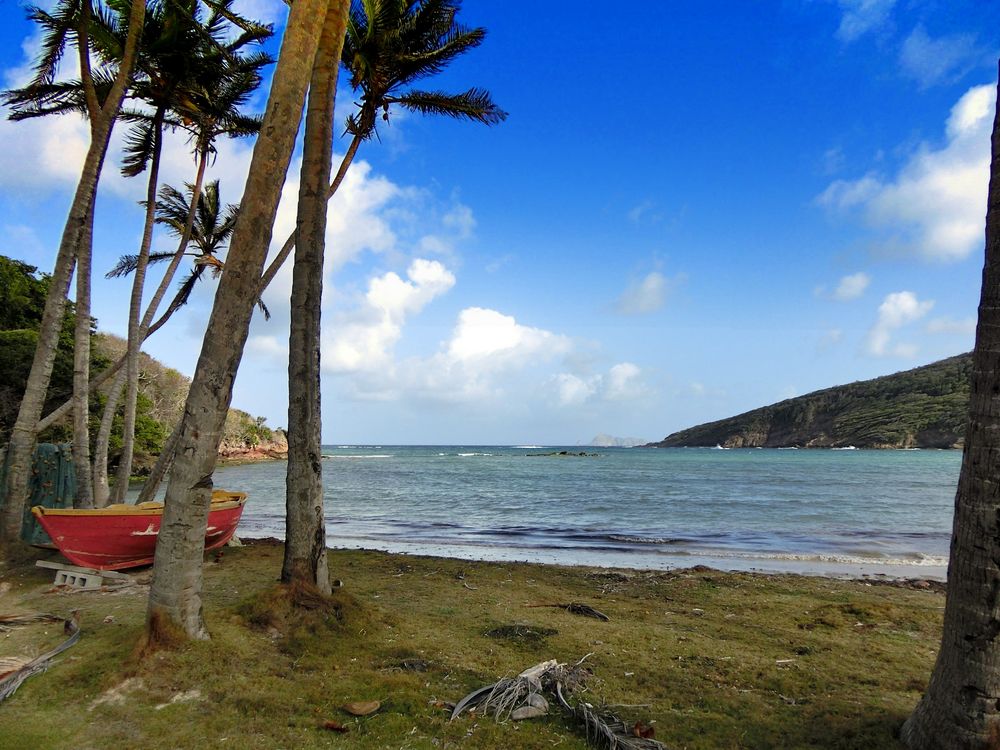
[(134, 322), (305, 528), (163, 463), (286, 249), (63, 409), (961, 708), (148, 327), (56, 415), (22, 439), (166, 458), (174, 610), (102, 442), (81, 372)]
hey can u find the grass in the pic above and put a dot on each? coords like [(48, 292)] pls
[(711, 659)]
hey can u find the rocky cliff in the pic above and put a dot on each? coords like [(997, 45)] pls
[(921, 408)]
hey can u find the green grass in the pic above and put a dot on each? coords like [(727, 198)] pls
[(715, 660)]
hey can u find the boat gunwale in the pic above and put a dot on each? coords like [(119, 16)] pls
[(226, 503)]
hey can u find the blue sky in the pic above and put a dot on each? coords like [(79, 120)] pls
[(691, 211)]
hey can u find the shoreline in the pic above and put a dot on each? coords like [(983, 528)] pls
[(904, 576)]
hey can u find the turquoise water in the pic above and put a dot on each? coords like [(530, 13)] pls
[(828, 512)]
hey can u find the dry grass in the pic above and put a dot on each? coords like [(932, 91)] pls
[(717, 660)]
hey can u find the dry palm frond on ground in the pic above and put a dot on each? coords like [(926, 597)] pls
[(13, 679), (522, 697)]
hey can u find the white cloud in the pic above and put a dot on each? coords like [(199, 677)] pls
[(862, 16), (365, 343), (648, 294), (460, 218), (485, 353), (934, 206), (622, 382), (482, 334), (574, 390), (932, 61), (851, 287), (961, 327), (896, 311), (268, 346)]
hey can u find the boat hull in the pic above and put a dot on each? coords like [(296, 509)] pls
[(124, 536)]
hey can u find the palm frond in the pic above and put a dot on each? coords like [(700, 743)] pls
[(128, 263), (141, 141), (57, 27), (474, 104)]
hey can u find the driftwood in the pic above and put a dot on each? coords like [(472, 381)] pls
[(606, 731), (576, 608), (9, 621), (522, 697), (11, 682)]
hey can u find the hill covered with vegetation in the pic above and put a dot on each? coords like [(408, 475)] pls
[(162, 389), (926, 407)]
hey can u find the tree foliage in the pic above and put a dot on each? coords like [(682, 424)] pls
[(926, 407), (22, 301)]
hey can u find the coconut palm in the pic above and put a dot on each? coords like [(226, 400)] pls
[(959, 709), (175, 607), (390, 46), (209, 234), (68, 23), (305, 530), (180, 53), (210, 111)]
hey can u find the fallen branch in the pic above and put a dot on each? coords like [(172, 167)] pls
[(575, 608), (606, 731), (10, 683), (13, 620), (522, 697)]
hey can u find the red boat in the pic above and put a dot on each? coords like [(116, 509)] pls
[(124, 536)]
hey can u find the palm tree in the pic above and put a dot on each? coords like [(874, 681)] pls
[(68, 23), (390, 46), (960, 707), (209, 234), (305, 529), (175, 608), (178, 56), (212, 110)]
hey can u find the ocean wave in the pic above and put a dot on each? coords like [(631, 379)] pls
[(466, 455), (646, 539), (916, 558), (370, 455)]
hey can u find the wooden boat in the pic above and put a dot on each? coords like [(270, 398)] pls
[(124, 536)]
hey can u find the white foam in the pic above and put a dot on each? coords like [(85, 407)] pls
[(372, 455)]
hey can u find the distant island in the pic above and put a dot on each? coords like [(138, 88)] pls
[(609, 441), (926, 407)]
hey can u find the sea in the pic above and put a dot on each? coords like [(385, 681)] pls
[(822, 512)]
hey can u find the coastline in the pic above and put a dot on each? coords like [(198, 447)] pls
[(933, 575), (250, 456), (836, 514), (902, 576)]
